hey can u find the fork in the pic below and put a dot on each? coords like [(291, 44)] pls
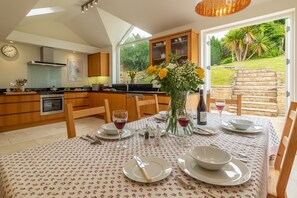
[(240, 155), (189, 186), (95, 141)]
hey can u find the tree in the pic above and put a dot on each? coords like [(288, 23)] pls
[(135, 56), (256, 39), (234, 41), (216, 51), (261, 44)]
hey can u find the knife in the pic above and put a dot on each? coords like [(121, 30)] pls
[(140, 164), (205, 130)]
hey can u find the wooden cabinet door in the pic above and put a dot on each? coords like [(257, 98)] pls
[(98, 64), (79, 100), (183, 44), (158, 51)]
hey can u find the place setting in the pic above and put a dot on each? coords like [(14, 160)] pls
[(241, 126), (147, 169), (116, 130), (161, 116), (205, 130), (213, 165)]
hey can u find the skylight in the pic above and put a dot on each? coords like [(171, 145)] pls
[(142, 33), (40, 11)]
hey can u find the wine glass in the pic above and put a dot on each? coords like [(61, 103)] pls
[(220, 104), (119, 118), (184, 120)]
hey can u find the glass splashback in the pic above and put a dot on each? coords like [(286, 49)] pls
[(43, 76)]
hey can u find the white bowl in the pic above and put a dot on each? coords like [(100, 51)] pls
[(210, 158), (163, 114), (241, 124), (110, 129)]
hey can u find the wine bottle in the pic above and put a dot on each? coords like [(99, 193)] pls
[(201, 111)]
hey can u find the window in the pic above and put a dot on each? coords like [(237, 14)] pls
[(134, 56)]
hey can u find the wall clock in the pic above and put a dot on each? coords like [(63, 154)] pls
[(9, 51)]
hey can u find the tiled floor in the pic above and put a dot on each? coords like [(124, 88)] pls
[(22, 139)]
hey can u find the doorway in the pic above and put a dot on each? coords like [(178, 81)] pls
[(279, 85)]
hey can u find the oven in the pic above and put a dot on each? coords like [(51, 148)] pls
[(51, 104)]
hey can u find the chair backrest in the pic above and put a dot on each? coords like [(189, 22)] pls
[(71, 115), (236, 101), (286, 151), (141, 103), (192, 101)]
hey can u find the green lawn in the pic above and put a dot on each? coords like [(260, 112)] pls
[(224, 76)]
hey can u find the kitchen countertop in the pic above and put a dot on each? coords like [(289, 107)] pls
[(72, 91)]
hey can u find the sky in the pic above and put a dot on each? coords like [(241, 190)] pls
[(219, 35)]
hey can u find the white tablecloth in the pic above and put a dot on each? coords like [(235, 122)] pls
[(74, 168)]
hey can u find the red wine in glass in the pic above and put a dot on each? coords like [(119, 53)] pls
[(120, 118), (220, 104), (120, 124), (220, 107), (183, 121)]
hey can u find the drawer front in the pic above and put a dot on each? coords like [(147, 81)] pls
[(15, 108), (8, 120), (13, 99), (77, 95), (78, 102)]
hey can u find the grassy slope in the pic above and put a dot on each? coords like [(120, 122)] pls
[(224, 76)]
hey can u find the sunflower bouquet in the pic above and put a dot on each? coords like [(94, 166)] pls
[(176, 80)]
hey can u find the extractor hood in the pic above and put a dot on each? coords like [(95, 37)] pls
[(46, 58)]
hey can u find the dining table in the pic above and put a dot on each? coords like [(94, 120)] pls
[(76, 168)]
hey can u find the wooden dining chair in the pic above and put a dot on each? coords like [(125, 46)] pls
[(71, 115), (279, 174), (237, 101), (142, 103)]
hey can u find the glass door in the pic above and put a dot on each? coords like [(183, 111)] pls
[(180, 46), (158, 52)]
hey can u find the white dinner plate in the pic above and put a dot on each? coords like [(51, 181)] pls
[(156, 167), (127, 132), (205, 130), (232, 174), (141, 132), (252, 129)]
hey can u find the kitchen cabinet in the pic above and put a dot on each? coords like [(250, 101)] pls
[(17, 110), (117, 101), (79, 100), (184, 44), (163, 101), (98, 64)]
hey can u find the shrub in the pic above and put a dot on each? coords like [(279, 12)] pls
[(227, 60)]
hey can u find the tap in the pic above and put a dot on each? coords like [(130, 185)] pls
[(127, 86)]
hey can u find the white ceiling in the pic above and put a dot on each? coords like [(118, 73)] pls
[(99, 27)]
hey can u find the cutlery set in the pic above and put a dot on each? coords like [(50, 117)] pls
[(91, 139), (239, 156), (140, 164), (189, 186)]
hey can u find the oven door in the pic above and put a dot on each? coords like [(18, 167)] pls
[(51, 104)]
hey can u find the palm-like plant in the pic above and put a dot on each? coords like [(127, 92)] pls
[(261, 44), (234, 41)]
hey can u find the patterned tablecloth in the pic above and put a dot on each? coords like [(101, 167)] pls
[(74, 168)]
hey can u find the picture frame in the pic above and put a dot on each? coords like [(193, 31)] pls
[(75, 69)]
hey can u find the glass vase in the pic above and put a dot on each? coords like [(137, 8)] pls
[(178, 100), (132, 81)]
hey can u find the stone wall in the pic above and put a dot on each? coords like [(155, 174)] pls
[(223, 92), (281, 100)]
